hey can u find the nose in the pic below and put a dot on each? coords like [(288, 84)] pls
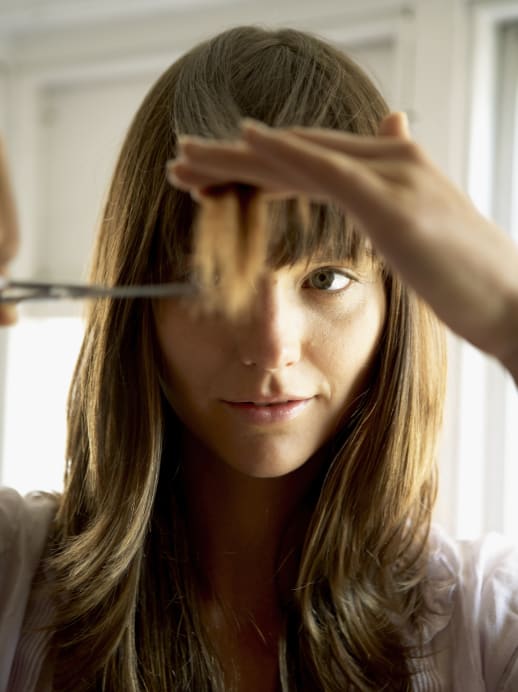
[(270, 337)]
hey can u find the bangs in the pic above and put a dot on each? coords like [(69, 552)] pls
[(302, 231), (235, 234), (295, 231)]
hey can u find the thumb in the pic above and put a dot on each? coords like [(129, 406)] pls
[(8, 315), (395, 125), (8, 312)]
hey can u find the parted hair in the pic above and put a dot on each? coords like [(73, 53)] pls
[(127, 593)]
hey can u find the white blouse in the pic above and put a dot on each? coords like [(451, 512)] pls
[(472, 637)]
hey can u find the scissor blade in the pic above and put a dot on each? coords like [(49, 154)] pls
[(22, 291)]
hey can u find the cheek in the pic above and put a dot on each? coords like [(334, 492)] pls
[(188, 348), (350, 343)]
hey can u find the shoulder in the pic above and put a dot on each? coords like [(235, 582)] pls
[(24, 525), (479, 580), (489, 561), (484, 571)]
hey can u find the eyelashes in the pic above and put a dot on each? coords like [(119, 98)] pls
[(328, 280)]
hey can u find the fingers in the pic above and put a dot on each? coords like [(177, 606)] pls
[(8, 315), (282, 163), (395, 125), (322, 173), (391, 141), (186, 177), (320, 164), (206, 163)]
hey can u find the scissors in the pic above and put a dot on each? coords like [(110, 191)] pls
[(13, 291)]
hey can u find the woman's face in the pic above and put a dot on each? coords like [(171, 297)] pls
[(262, 393)]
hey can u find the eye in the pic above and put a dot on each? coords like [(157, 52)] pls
[(328, 279)]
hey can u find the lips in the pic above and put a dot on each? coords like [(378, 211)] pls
[(270, 401), (271, 410)]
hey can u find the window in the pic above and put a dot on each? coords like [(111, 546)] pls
[(41, 353), (487, 477), (505, 200), (73, 161)]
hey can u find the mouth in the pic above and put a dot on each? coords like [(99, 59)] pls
[(271, 410), (271, 401)]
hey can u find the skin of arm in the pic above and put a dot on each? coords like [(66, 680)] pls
[(427, 229)]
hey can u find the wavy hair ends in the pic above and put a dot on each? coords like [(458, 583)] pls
[(128, 611), (359, 586)]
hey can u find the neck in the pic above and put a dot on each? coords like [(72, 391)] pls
[(238, 523)]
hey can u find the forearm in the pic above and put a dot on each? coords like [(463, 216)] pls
[(509, 355)]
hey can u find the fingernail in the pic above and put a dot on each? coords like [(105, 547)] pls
[(170, 173), (181, 142), (404, 121), (251, 124), (185, 140)]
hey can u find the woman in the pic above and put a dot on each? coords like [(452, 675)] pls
[(248, 493)]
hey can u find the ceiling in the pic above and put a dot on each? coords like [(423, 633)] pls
[(24, 16)]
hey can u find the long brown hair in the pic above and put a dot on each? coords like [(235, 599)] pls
[(127, 597)]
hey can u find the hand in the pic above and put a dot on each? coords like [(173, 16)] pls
[(463, 265), (9, 236)]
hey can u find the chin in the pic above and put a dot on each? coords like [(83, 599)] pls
[(263, 456), (266, 471), (270, 466)]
